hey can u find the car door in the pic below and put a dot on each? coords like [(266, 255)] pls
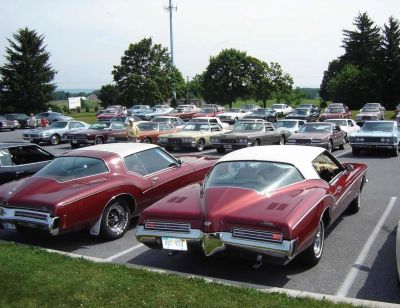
[(27, 160), (165, 173), (271, 135), (337, 135), (7, 172)]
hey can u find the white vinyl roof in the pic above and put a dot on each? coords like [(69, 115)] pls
[(299, 156), (121, 149)]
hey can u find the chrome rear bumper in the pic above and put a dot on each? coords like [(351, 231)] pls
[(212, 243)]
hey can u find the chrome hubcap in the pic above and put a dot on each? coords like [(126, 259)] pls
[(319, 240), (117, 218)]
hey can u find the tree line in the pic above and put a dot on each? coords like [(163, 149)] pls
[(369, 70)]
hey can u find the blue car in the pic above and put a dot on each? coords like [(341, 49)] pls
[(381, 135)]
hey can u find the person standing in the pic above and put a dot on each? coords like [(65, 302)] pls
[(132, 131), (32, 121), (44, 122)]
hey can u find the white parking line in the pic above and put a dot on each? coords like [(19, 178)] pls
[(344, 153), (351, 276), (113, 257)]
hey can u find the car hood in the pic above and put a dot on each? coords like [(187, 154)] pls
[(297, 116), (47, 194), (229, 114), (89, 131), (373, 134), (310, 136), (42, 130), (246, 133), (372, 113), (331, 115), (183, 134)]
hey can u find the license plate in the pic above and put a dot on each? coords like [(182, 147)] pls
[(227, 146), (74, 141), (9, 226), (174, 243)]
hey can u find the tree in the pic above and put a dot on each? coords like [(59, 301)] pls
[(333, 68), (227, 77), (26, 76), (145, 74), (390, 64), (109, 95), (195, 87)]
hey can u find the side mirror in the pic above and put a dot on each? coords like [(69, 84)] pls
[(349, 168)]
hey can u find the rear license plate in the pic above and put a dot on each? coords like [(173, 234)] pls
[(174, 243), (9, 226), (227, 146)]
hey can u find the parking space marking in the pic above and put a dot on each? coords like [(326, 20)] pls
[(351, 276), (344, 153), (124, 252)]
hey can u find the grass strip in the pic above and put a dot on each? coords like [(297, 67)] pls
[(31, 277)]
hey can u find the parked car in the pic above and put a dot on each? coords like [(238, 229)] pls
[(6, 124), (95, 134), (335, 111), (148, 132), (156, 110), (124, 119), (306, 114), (248, 133), (183, 113), (315, 109), (266, 114), (293, 126), (175, 121), (52, 117), (320, 134), (249, 108), (190, 107), (54, 133), (98, 188), (274, 204), (207, 112), (370, 112), (21, 120), (192, 135), (137, 109), (349, 126), (19, 160), (210, 120), (379, 135), (232, 115), (214, 106), (109, 114), (282, 110)]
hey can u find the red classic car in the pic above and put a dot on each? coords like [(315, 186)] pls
[(183, 112), (96, 134), (108, 114), (273, 201), (336, 111), (98, 188), (207, 112)]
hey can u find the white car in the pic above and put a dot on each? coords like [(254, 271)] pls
[(282, 109), (347, 125), (175, 121), (225, 126), (232, 115), (156, 110), (291, 125)]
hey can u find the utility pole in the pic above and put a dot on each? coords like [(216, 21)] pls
[(170, 8)]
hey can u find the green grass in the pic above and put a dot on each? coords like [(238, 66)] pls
[(88, 117), (34, 278)]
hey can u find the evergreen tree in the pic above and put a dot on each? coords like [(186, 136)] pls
[(26, 76), (390, 65)]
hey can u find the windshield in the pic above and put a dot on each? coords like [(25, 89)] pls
[(240, 126), (58, 124), (68, 168), (338, 122), (377, 126), (160, 120), (196, 127), (370, 109), (257, 175), (206, 110), (158, 107), (148, 126), (111, 111), (263, 111), (100, 125), (301, 111), (235, 110), (286, 124), (316, 128), (334, 110), (277, 107)]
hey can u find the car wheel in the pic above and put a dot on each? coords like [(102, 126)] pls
[(169, 148), (282, 140), (346, 138), (356, 152), (341, 147), (220, 150), (200, 145), (312, 254), (115, 219), (147, 140), (55, 139), (355, 205), (395, 152), (256, 143), (330, 146), (98, 140)]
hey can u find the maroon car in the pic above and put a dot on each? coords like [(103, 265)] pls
[(320, 134), (275, 202), (97, 133), (336, 111), (207, 112), (108, 114), (98, 188)]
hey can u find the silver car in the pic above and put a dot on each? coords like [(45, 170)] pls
[(54, 133)]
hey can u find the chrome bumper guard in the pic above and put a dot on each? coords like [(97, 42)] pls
[(212, 243), (30, 218)]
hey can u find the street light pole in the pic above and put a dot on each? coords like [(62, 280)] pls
[(171, 8)]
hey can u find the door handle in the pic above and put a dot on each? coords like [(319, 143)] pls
[(19, 172), (154, 179)]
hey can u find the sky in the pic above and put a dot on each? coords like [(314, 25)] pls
[(86, 38)]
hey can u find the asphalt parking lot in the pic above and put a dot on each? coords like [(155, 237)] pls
[(358, 259)]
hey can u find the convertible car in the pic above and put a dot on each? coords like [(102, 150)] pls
[(232, 115), (98, 188), (248, 133), (275, 204), (326, 135)]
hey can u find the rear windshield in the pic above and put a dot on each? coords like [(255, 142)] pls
[(257, 175), (68, 168)]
